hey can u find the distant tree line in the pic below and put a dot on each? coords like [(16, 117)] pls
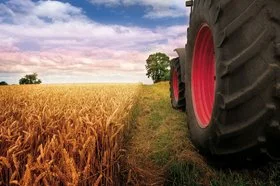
[(3, 83), (26, 80), (30, 79)]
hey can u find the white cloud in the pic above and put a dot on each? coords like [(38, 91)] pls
[(56, 11), (158, 13), (55, 38), (28, 12), (155, 8)]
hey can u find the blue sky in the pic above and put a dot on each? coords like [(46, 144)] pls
[(124, 14), (71, 41)]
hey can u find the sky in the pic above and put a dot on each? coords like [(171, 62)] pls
[(87, 41)]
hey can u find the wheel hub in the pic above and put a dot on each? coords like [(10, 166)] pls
[(203, 76)]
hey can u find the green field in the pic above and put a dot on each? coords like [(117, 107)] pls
[(160, 152)]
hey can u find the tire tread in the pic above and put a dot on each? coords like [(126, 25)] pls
[(252, 136)]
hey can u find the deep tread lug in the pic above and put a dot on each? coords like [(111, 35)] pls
[(278, 90), (239, 60), (218, 13), (250, 12), (245, 94), (277, 49)]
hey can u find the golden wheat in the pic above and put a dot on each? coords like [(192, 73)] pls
[(63, 134)]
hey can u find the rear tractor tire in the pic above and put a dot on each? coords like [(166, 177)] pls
[(177, 87), (233, 78)]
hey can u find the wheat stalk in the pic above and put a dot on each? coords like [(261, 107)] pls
[(63, 134)]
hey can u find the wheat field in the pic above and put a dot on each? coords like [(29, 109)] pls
[(63, 134)]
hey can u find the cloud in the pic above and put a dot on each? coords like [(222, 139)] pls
[(158, 13), (56, 11), (28, 12), (106, 2), (56, 39), (156, 9)]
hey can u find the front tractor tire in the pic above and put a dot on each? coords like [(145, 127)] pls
[(233, 78), (177, 86)]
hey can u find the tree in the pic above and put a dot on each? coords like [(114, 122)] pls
[(158, 67), (3, 83), (30, 79)]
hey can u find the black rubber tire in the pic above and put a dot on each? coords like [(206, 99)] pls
[(246, 115), (179, 104)]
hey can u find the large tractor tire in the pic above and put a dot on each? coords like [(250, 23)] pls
[(177, 87), (233, 78)]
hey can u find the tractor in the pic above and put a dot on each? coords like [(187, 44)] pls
[(227, 78)]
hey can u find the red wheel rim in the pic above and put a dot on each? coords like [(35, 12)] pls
[(203, 76), (175, 85)]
